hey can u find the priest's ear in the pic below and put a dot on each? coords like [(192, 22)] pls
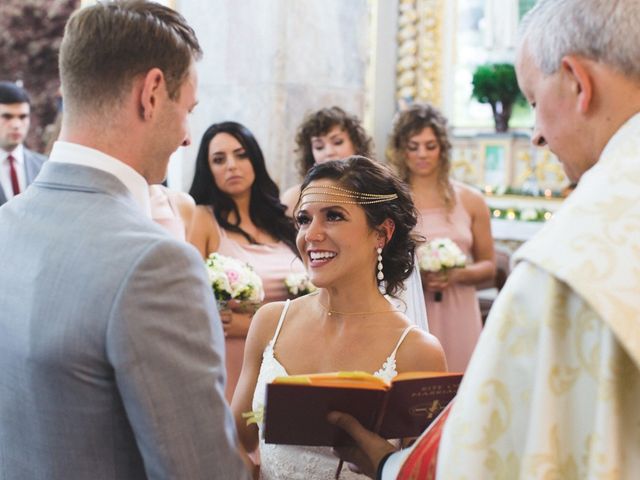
[(578, 73)]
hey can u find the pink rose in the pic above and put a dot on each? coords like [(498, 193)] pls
[(233, 276)]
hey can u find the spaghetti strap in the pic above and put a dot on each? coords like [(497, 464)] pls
[(388, 370), (402, 337), (280, 322)]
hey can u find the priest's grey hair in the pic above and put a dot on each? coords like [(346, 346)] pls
[(603, 30)]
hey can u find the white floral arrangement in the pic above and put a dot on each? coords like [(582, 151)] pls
[(232, 279), (298, 284), (440, 254)]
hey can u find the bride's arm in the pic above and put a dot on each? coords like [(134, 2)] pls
[(260, 333)]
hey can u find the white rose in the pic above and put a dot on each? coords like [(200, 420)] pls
[(447, 258)]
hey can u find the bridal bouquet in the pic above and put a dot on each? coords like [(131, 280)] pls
[(298, 284), (234, 282), (440, 254)]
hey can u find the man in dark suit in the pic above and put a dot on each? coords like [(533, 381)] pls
[(18, 165)]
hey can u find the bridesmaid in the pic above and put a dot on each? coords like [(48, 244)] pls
[(419, 148), (239, 215), (327, 134)]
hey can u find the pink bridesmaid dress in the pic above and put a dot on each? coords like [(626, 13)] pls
[(272, 262), (455, 320)]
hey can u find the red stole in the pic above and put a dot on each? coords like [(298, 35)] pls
[(422, 461)]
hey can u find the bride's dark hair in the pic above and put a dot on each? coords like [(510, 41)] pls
[(361, 174)]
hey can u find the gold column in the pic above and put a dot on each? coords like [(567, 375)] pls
[(420, 55)]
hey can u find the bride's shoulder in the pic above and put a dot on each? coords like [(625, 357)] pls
[(265, 321), (421, 351)]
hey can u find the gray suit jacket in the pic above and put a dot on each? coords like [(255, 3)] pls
[(111, 350), (32, 164)]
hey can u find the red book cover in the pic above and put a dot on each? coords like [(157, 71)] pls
[(296, 408)]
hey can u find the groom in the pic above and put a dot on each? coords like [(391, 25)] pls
[(111, 350), (553, 387)]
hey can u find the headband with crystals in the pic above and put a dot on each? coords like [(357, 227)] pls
[(333, 194)]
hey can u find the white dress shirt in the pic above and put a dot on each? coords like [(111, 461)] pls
[(5, 169), (65, 152)]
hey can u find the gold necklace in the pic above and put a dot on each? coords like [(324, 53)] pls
[(346, 314)]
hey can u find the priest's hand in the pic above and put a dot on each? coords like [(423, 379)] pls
[(370, 448)]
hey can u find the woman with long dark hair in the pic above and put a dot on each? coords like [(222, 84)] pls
[(239, 214)]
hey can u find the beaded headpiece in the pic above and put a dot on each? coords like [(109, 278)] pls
[(333, 194)]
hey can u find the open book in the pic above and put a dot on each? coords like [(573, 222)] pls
[(296, 407)]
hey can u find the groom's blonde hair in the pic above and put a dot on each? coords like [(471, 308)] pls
[(105, 46)]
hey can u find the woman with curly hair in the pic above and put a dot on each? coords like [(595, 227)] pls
[(327, 134), (239, 215), (419, 148), (355, 238)]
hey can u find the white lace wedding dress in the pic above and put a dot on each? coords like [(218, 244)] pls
[(291, 462)]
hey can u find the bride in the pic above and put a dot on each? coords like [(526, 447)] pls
[(355, 219)]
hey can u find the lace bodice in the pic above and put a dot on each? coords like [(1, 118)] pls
[(293, 462)]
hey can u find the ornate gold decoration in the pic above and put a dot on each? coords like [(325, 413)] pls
[(502, 468), (464, 167), (548, 165), (539, 166), (562, 378), (419, 67), (552, 463), (331, 193), (495, 395)]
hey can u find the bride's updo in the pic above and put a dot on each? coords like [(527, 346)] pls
[(360, 174)]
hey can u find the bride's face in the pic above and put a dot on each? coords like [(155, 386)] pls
[(335, 242)]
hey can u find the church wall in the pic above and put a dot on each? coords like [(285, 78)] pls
[(267, 63)]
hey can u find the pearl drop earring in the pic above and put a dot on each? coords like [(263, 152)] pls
[(380, 274)]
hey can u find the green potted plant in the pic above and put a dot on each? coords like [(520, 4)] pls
[(496, 84)]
